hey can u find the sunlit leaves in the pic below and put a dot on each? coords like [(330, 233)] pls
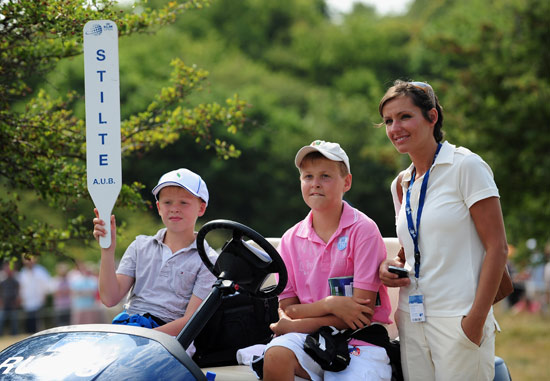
[(43, 142), (165, 119)]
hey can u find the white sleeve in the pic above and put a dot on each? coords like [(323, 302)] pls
[(476, 180)]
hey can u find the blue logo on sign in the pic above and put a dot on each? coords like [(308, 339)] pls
[(94, 30), (342, 242)]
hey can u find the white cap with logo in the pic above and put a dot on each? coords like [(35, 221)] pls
[(331, 151), (186, 179)]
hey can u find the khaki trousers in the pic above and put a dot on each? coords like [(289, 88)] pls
[(438, 350)]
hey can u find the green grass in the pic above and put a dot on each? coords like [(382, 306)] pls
[(524, 344)]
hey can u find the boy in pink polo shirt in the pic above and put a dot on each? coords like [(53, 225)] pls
[(334, 240)]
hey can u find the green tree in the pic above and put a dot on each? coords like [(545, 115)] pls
[(492, 64), (294, 102), (310, 77), (43, 140), (307, 78)]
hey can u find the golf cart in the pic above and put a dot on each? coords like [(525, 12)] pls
[(118, 352)]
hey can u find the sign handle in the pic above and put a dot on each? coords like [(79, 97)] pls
[(105, 241)]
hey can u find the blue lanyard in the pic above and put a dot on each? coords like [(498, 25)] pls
[(412, 230)]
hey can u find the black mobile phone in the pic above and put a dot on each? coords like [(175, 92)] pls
[(401, 272)]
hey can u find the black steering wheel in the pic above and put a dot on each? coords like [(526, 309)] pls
[(242, 263)]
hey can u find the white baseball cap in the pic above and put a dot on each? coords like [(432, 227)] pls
[(331, 151), (186, 179)]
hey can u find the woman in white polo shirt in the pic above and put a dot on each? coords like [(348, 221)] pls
[(452, 232)]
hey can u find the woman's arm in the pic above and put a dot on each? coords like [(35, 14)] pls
[(391, 279), (487, 217)]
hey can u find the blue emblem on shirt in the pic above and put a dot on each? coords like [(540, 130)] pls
[(342, 242)]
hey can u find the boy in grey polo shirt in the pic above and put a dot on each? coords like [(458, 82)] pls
[(164, 273)]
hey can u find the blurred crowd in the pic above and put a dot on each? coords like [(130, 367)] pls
[(532, 284), (32, 299)]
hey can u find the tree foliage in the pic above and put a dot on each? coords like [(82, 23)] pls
[(44, 142), (494, 72), (309, 77), (306, 77)]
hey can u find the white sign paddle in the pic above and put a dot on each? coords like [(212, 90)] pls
[(102, 94)]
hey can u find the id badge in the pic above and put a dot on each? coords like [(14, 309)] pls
[(416, 306)]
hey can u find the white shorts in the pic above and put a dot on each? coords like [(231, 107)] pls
[(367, 362)]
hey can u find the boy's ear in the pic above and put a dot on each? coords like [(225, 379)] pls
[(347, 182), (202, 208)]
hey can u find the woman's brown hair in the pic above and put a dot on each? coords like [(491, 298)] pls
[(422, 96)]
